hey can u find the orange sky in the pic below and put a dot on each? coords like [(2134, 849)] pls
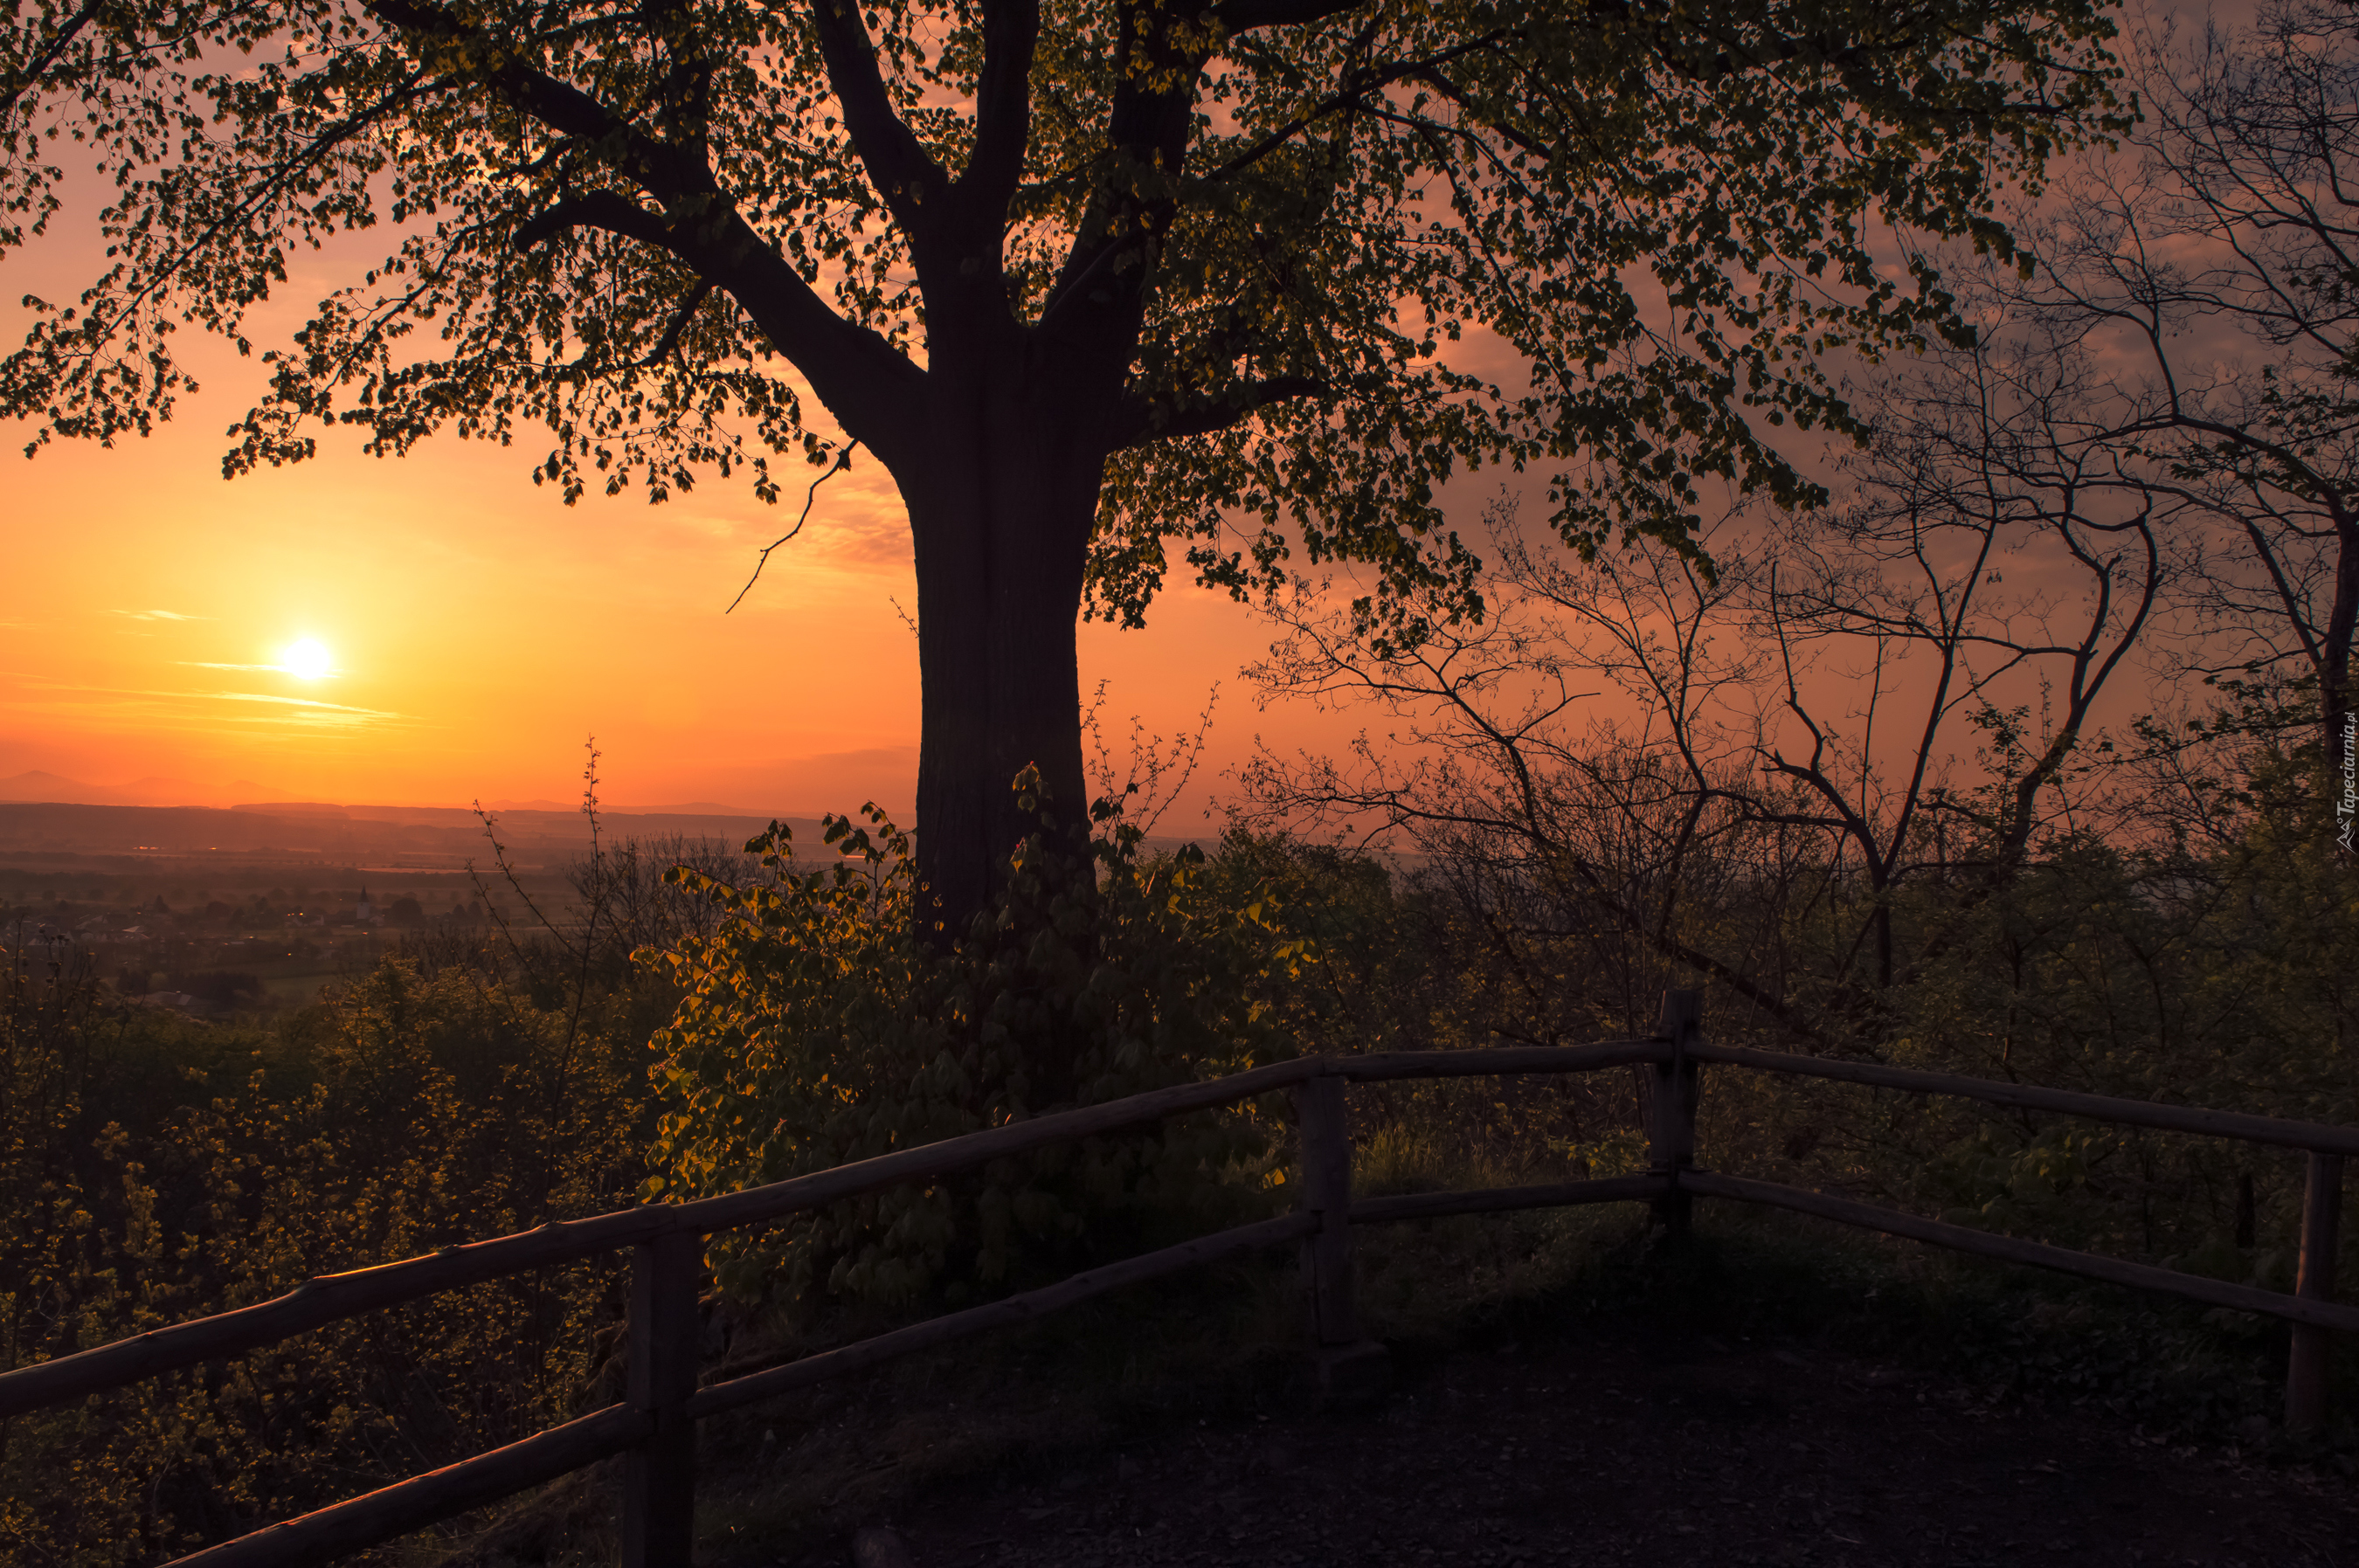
[(479, 628)]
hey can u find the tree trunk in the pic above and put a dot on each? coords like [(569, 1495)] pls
[(1001, 486)]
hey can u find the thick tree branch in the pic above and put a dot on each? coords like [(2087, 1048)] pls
[(608, 210), (684, 101), (1003, 110), (1098, 302), (1142, 422), (903, 172), (673, 176), (861, 377), (863, 380), (668, 345)]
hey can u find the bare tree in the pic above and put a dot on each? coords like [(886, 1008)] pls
[(1981, 468), (1538, 813), (2215, 260), (1732, 765)]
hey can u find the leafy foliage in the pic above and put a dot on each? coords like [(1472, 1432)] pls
[(2219, 982), (818, 1028), (1253, 239), (160, 1170), (1102, 284)]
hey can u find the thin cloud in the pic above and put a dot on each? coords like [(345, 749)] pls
[(269, 669), (160, 615), (289, 701), (309, 712)]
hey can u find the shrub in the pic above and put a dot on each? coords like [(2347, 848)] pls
[(821, 1026), (155, 1169)]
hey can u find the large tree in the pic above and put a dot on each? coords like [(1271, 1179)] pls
[(1088, 277)]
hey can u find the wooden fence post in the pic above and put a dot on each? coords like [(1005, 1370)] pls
[(659, 1475), (1326, 1192), (2313, 1348), (1348, 1366), (1672, 1106)]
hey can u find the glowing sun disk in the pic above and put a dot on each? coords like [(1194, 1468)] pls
[(308, 658)]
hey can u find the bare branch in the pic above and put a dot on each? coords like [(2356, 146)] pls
[(842, 461)]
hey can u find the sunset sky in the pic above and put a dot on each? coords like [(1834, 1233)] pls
[(476, 629), (479, 629)]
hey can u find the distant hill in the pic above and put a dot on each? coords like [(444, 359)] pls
[(55, 788), (422, 837), (46, 814)]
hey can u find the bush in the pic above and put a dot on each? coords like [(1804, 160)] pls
[(155, 1169), (819, 1026)]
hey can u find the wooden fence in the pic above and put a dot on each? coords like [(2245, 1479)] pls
[(654, 1426)]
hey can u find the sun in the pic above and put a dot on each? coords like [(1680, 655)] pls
[(308, 658)]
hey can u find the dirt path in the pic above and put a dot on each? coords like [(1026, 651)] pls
[(1600, 1454)]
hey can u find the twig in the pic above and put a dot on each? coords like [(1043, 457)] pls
[(842, 461)]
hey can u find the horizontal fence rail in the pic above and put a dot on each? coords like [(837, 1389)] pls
[(347, 1528), (333, 1297), (1026, 1308), (654, 1428), (2039, 1255), (1505, 1200), (2313, 1135)]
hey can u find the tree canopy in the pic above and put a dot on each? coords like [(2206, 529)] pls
[(1241, 283)]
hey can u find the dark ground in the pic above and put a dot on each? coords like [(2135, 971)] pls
[(1602, 1452)]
